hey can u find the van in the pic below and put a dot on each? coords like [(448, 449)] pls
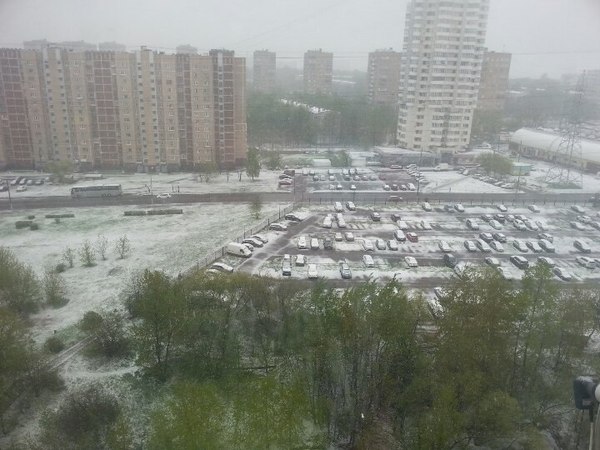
[(234, 248), (338, 207)]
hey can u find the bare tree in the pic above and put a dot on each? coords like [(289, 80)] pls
[(69, 256), (102, 245), (123, 246), (86, 254)]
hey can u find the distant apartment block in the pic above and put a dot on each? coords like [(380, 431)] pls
[(141, 111), (441, 67), (592, 86), (383, 76), (318, 72), (264, 70), (493, 86)]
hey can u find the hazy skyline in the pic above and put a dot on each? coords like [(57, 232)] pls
[(545, 36)]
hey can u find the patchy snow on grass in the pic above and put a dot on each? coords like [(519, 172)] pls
[(172, 243)]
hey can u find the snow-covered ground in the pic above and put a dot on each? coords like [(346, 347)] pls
[(537, 179), (172, 243), (142, 183), (452, 181)]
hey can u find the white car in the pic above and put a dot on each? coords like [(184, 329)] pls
[(21, 188), (586, 262), (425, 225), (502, 208), (534, 208), (164, 195), (491, 261), (531, 225), (470, 246), (392, 245), (338, 237), (495, 245), (483, 246), (380, 244), (300, 260), (426, 206), (221, 267), (368, 245), (349, 236), (460, 208), (547, 246), (278, 226), (302, 244), (368, 261), (411, 261), (402, 225), (400, 236), (314, 244), (312, 271), (563, 274), (578, 226), (578, 209), (519, 245), (472, 224), (351, 206), (352, 187), (444, 247), (545, 260), (495, 224), (534, 246)]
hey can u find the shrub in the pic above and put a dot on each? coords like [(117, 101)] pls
[(31, 217), (59, 216), (54, 345), (61, 267), (91, 322), (23, 224), (34, 226)]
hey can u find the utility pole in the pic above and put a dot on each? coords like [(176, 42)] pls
[(9, 197)]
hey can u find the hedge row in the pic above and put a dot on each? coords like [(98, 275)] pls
[(59, 216)]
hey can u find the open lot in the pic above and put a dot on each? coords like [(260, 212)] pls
[(431, 271)]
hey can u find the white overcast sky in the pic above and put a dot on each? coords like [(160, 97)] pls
[(545, 36)]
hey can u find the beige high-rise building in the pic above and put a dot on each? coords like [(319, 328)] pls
[(493, 86), (144, 111), (383, 76), (264, 70), (441, 67), (318, 72)]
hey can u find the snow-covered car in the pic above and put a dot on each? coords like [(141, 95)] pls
[(368, 245), (502, 208), (582, 246), (497, 246), (400, 236), (302, 243), (253, 242), (411, 261), (444, 247), (349, 235), (260, 237), (563, 274), (392, 245), (425, 225), (519, 245), (412, 237), (487, 237), (221, 267), (292, 217), (531, 225), (314, 244), (534, 208), (439, 292), (483, 246), (300, 260), (426, 206), (368, 261), (460, 208), (548, 237), (578, 209), (472, 224), (547, 261), (519, 262), (402, 225), (492, 262), (576, 225), (470, 246), (380, 244), (338, 237), (495, 224), (519, 225), (345, 271), (352, 187), (21, 188), (534, 246), (312, 271), (500, 237), (586, 262), (276, 226), (546, 245)]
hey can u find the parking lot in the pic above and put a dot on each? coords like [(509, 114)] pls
[(430, 228)]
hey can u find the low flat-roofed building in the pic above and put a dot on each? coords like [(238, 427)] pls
[(403, 156), (545, 145)]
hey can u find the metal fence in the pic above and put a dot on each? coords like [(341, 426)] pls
[(221, 251)]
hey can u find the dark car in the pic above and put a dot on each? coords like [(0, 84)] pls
[(396, 217), (345, 271), (500, 237), (375, 216), (450, 260), (292, 217), (519, 261), (328, 243), (449, 208)]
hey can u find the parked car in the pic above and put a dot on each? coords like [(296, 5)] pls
[(349, 236), (500, 237), (312, 272), (483, 246), (502, 208), (368, 245), (578, 209), (500, 218), (375, 216), (314, 244), (350, 206), (345, 271), (368, 261), (260, 237), (338, 237), (278, 227), (487, 237), (547, 246), (547, 261), (426, 206), (486, 217), (578, 226), (21, 188), (221, 267), (253, 242), (328, 243), (534, 246), (531, 225), (450, 260), (563, 274), (460, 208), (519, 225), (492, 262), (439, 292), (300, 260), (411, 261), (412, 237), (548, 237), (402, 225), (395, 217), (497, 246), (292, 217), (400, 236), (534, 208), (472, 224), (470, 246), (588, 263), (519, 245), (392, 245), (582, 246), (519, 261), (163, 195), (380, 244), (444, 247), (425, 225)]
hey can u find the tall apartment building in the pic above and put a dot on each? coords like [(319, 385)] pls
[(441, 67), (318, 72), (115, 109), (592, 86), (384, 77), (493, 86), (264, 70)]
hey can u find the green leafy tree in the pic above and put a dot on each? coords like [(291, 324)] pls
[(494, 163), (55, 289), (274, 160), (253, 164), (256, 207), (207, 169), (60, 169), (19, 287)]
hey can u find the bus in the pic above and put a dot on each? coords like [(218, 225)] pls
[(104, 190)]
